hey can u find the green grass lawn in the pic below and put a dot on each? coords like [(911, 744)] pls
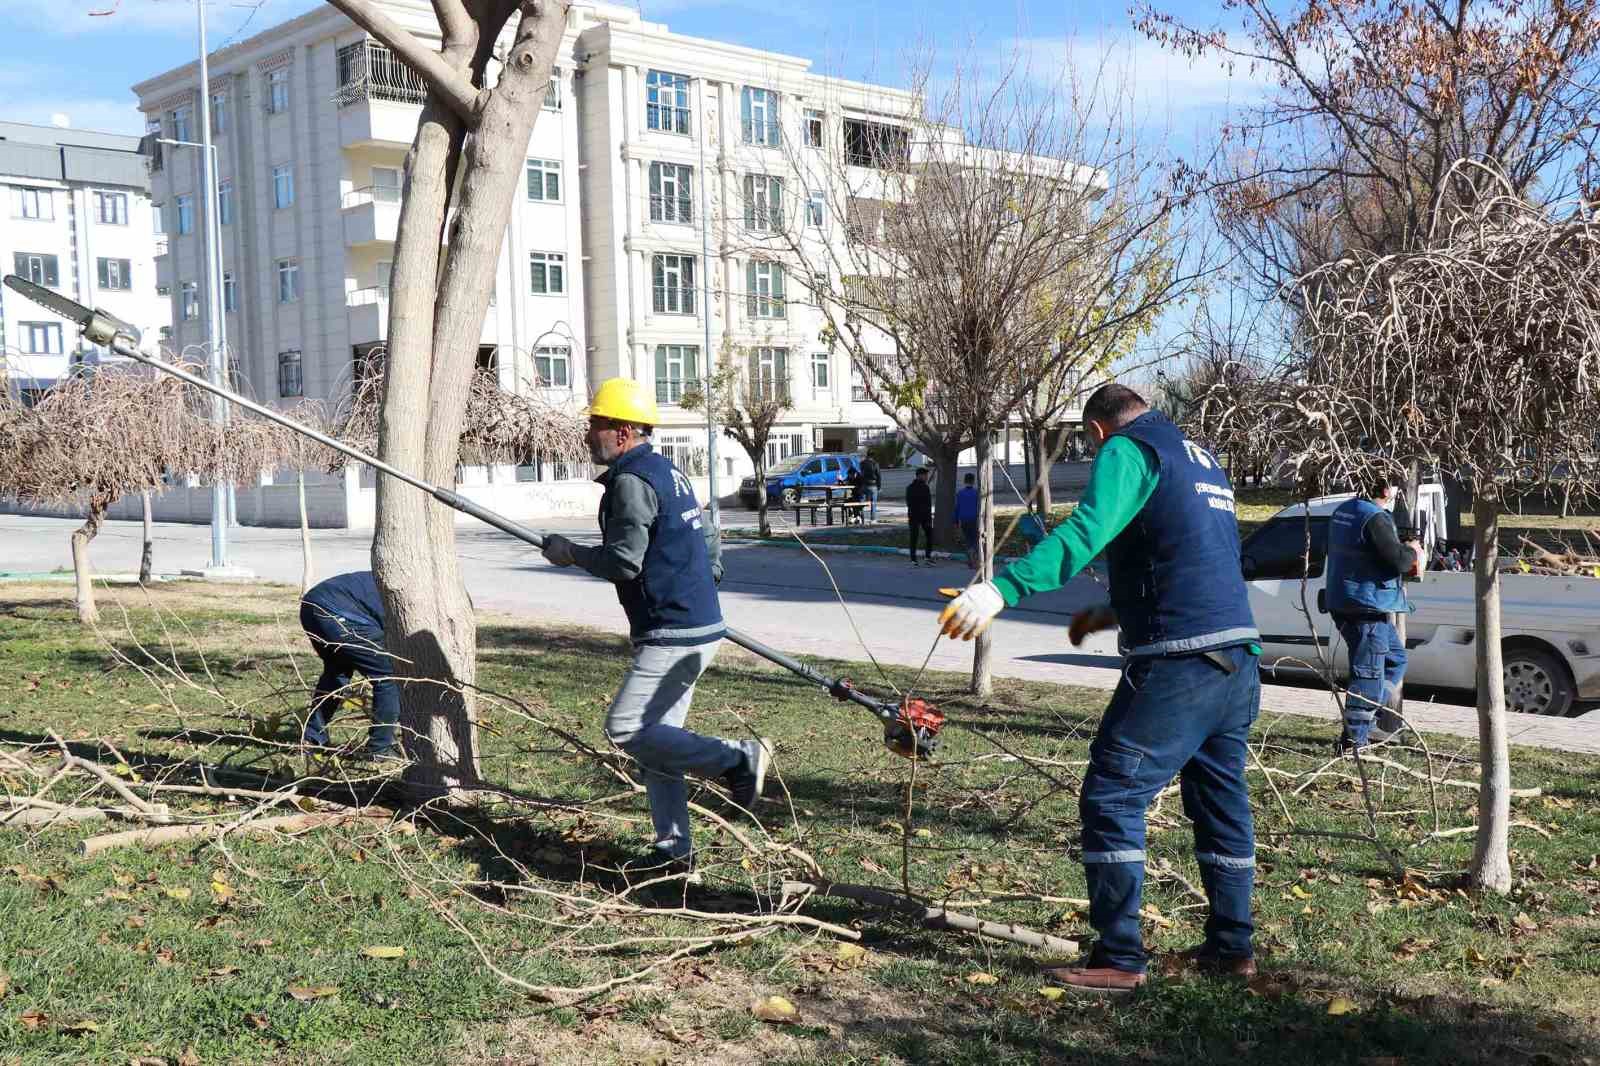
[(254, 950)]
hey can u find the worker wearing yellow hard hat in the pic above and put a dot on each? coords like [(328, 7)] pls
[(665, 559)]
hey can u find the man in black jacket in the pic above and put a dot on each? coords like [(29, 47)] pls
[(872, 482), (919, 510), (343, 617)]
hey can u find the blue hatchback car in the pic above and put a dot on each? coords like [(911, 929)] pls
[(801, 476)]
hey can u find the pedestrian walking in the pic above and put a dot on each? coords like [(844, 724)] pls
[(872, 480), (967, 519), (919, 514)]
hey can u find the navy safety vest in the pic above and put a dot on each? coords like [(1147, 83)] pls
[(674, 598), (1175, 578), (1358, 581)]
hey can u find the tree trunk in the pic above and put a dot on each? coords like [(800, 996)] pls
[(88, 614), (983, 647), (944, 495), (307, 575), (763, 525), (1046, 454), (1491, 864), (435, 319), (147, 554)]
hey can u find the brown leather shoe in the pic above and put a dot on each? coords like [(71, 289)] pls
[(1082, 977), (1199, 960)]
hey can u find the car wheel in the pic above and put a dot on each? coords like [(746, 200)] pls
[(1537, 682), (790, 497)]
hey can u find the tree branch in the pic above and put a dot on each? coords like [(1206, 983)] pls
[(459, 93)]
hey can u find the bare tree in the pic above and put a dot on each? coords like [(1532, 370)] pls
[(1371, 104), (95, 438), (460, 178), (1478, 355), (748, 404), (303, 453), (1007, 235)]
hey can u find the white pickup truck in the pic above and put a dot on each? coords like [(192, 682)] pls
[(1550, 625)]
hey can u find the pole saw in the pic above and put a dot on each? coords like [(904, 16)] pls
[(910, 726)]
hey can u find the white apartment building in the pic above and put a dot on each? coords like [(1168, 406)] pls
[(602, 269), (77, 219)]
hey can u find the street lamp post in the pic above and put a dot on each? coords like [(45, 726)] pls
[(705, 312)]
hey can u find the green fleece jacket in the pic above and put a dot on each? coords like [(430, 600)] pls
[(1121, 480)]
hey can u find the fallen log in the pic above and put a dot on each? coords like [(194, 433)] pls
[(168, 834)]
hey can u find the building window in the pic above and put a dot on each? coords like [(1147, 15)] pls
[(41, 338), (278, 91), (666, 102), (763, 203), (552, 367), (547, 273), (813, 128), (386, 185), (677, 370), (32, 203), (769, 373), (290, 380), (816, 206), (759, 117), (552, 93), (288, 281), (544, 180), (219, 113), (111, 208), (763, 289), (158, 222), (283, 185), (188, 301), (225, 202), (819, 286), (115, 273), (230, 291), (185, 214), (873, 144), (183, 123), (671, 190), (858, 387), (39, 269), (819, 370), (672, 282)]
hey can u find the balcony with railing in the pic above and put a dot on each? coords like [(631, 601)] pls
[(371, 215), (379, 97), (368, 311)]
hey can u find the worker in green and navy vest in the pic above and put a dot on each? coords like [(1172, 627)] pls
[(664, 557), (1366, 565), (1161, 510)]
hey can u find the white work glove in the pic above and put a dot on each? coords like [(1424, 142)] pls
[(971, 612), (1090, 621), (558, 550)]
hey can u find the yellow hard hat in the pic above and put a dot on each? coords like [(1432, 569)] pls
[(625, 400)]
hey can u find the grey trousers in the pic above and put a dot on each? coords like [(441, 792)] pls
[(646, 721)]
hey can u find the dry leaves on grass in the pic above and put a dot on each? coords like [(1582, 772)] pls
[(775, 1009)]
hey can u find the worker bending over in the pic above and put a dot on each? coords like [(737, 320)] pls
[(665, 559), (1162, 510), (343, 618)]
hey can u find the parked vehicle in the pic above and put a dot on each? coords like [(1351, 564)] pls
[(1550, 626), (800, 476)]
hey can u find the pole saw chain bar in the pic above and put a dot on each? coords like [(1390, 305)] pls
[(910, 728)]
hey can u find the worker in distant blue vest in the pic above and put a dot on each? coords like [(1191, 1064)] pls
[(343, 617), (1161, 508), (664, 557), (1366, 567)]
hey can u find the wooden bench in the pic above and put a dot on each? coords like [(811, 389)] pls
[(847, 508), (813, 506)]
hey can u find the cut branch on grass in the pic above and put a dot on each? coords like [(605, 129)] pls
[(931, 917)]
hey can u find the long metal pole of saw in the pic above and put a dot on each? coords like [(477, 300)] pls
[(121, 346)]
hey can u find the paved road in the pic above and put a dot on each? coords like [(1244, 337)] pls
[(781, 596)]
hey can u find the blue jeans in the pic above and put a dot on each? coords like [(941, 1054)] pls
[(872, 503), (1377, 667), (1180, 716), (347, 649), (646, 721)]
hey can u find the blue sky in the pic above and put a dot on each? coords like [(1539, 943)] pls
[(58, 58)]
